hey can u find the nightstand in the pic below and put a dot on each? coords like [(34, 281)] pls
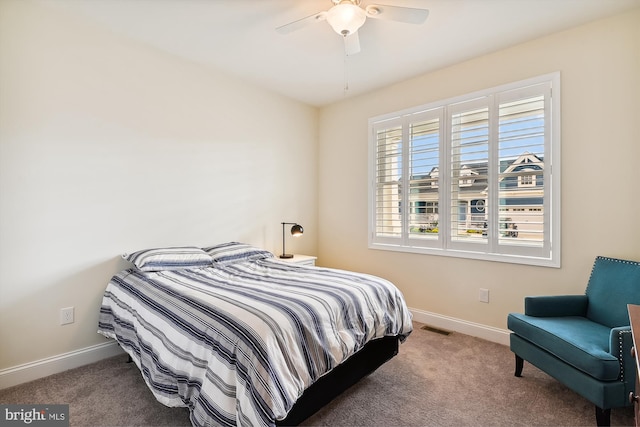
[(301, 259)]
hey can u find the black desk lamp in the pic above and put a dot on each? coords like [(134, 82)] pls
[(296, 231)]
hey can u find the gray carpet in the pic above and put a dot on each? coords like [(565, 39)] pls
[(436, 380)]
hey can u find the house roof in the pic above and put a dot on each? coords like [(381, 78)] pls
[(474, 173)]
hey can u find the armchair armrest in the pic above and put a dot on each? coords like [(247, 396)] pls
[(620, 343), (556, 305)]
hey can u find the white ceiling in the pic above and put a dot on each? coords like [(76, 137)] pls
[(239, 37)]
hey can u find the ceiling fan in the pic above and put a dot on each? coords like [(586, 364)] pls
[(346, 17)]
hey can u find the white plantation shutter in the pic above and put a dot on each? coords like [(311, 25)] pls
[(469, 162), (425, 140), (523, 145), (388, 181), (477, 176)]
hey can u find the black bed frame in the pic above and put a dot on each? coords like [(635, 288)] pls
[(373, 355)]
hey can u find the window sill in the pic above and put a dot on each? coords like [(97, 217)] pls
[(494, 257)]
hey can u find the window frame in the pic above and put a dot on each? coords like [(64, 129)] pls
[(549, 255)]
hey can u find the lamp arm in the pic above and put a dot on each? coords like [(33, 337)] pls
[(283, 239), (284, 253)]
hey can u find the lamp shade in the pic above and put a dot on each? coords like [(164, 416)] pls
[(297, 230), (345, 18)]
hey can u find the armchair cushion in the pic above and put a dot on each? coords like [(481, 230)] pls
[(576, 340)]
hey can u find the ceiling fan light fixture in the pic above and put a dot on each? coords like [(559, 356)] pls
[(346, 18)]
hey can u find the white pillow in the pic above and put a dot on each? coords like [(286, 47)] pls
[(171, 258)]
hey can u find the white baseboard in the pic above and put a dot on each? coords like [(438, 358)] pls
[(485, 332), (74, 359), (52, 365)]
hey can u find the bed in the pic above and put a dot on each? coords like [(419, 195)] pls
[(241, 338)]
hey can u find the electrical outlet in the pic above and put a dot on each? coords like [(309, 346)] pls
[(483, 295), (66, 315)]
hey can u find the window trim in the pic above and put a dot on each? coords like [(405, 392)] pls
[(551, 179)]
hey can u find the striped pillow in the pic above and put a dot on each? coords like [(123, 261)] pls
[(172, 258), (226, 253)]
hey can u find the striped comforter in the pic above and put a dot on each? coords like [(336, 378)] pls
[(238, 343)]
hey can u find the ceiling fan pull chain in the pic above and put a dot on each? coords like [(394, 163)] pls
[(346, 74)]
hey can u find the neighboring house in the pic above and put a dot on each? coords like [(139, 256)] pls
[(521, 198)]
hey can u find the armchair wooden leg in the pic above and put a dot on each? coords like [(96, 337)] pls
[(603, 417), (519, 365)]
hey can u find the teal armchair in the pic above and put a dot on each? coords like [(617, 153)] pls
[(584, 341)]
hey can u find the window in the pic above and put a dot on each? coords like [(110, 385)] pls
[(477, 176), (527, 181)]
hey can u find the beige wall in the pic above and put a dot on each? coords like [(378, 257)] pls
[(600, 79), (107, 146)]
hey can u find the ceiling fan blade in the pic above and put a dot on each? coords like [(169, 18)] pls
[(352, 44), (301, 23), (408, 15)]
